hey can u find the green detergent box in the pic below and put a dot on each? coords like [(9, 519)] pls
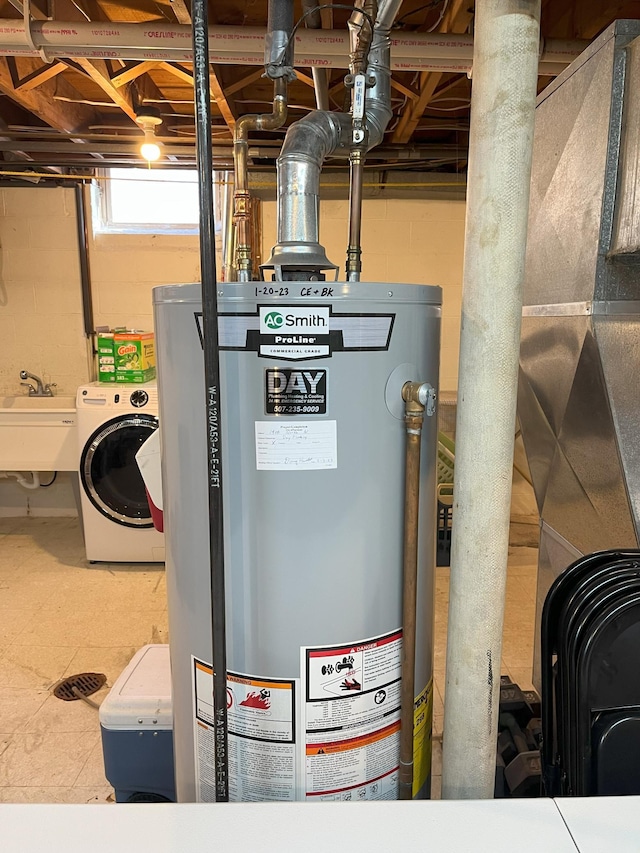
[(106, 359), (126, 356)]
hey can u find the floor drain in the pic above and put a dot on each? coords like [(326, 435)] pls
[(85, 683)]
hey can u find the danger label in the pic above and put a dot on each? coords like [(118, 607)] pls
[(295, 392)]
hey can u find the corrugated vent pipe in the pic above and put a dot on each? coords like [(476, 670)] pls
[(308, 143), (505, 73)]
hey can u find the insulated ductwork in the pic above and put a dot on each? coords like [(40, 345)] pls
[(309, 142)]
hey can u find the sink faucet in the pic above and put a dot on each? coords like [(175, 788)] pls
[(40, 390)]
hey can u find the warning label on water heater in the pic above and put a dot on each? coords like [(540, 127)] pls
[(295, 392), (262, 736), (352, 719)]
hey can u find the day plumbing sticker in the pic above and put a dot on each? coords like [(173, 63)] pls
[(295, 392)]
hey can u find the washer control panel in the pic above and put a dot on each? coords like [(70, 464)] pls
[(99, 395)]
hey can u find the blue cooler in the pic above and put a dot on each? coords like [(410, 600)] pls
[(136, 722)]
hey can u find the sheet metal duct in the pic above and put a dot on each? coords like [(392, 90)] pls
[(580, 352)]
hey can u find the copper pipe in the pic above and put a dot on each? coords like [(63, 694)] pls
[(354, 251), (242, 199), (415, 395)]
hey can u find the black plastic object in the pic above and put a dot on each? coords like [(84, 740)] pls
[(590, 637), (443, 547)]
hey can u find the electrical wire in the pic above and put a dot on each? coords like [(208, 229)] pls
[(46, 485), (432, 5), (312, 11), (439, 21)]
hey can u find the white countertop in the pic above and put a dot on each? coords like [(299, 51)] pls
[(490, 826), (600, 824)]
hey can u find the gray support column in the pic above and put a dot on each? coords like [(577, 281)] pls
[(505, 69)]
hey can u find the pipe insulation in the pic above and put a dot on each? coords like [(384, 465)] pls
[(278, 44), (245, 45), (503, 99)]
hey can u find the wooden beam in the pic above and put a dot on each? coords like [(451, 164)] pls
[(39, 76), (36, 13), (304, 78), (456, 20), (178, 71), (215, 90), (181, 11), (405, 90), (98, 71), (63, 115), (132, 71), (218, 95), (232, 88)]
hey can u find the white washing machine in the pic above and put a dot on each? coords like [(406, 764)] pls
[(113, 422)]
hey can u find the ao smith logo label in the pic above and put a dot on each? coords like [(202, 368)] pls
[(291, 321), (273, 320), (301, 333)]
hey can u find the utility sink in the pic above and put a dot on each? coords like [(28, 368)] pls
[(38, 433)]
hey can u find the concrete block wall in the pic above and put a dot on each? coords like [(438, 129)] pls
[(125, 268), (41, 327), (404, 241)]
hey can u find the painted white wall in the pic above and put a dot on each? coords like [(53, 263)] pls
[(41, 326)]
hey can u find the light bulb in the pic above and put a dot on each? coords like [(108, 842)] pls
[(150, 150)]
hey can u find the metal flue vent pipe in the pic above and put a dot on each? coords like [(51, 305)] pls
[(309, 142), (505, 73)]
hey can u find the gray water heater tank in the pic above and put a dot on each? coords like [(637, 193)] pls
[(313, 446)]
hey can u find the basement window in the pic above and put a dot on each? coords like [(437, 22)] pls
[(146, 201)]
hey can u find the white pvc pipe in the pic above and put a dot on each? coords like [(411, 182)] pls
[(22, 480), (245, 45), (505, 69)]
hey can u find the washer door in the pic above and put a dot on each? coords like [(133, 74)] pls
[(109, 471)]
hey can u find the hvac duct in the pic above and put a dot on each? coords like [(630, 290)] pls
[(245, 45), (579, 357), (313, 440)]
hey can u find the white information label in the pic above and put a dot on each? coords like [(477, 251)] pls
[(262, 736), (296, 446), (352, 719)]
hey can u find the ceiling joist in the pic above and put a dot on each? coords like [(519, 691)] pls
[(215, 88), (456, 20), (132, 71), (63, 115), (98, 70)]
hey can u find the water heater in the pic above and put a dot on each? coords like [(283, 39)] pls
[(313, 452)]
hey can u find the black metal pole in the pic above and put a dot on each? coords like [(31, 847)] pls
[(83, 255), (200, 28)]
